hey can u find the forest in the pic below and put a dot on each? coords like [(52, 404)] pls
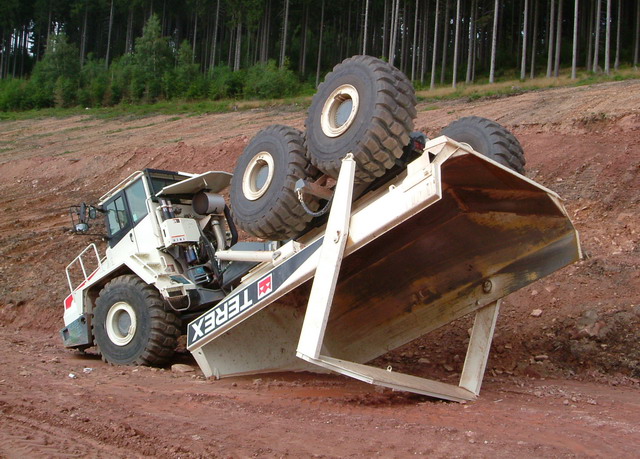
[(95, 53)]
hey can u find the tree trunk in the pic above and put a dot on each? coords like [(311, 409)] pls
[(212, 60), (523, 63), (49, 24), (195, 38), (385, 31), (366, 24), (266, 30), (550, 38), (445, 41), (320, 45), (3, 52), (83, 36), (474, 57), (285, 21), (454, 82), (236, 62), (129, 37), (494, 41), (163, 22), (394, 31), (596, 46), (635, 51), (423, 48), (20, 50), (415, 38), (15, 52), (607, 39), (617, 61), (556, 67), (472, 40), (435, 47), (303, 50), (403, 41), (232, 34), (106, 61), (590, 47), (535, 39), (574, 59)]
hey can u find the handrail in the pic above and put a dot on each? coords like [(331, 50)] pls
[(82, 267)]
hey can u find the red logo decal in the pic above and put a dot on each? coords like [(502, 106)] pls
[(265, 286)]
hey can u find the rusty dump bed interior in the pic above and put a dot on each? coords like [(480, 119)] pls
[(491, 234), (483, 233)]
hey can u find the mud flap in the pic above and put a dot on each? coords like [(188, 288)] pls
[(76, 334)]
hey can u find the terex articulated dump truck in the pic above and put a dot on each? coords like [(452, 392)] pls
[(364, 236)]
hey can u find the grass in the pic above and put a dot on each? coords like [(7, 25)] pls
[(481, 89), (174, 107)]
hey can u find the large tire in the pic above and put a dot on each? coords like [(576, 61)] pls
[(263, 198), (131, 325), (489, 138), (364, 106)]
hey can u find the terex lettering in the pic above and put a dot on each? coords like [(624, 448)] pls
[(220, 314), (251, 296)]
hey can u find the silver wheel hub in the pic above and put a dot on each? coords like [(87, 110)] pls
[(258, 176), (121, 323), (339, 110)]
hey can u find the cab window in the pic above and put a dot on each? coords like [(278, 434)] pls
[(136, 198), (117, 217)]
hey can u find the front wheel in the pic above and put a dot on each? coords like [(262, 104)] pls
[(131, 325)]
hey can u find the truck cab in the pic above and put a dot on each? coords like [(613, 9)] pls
[(164, 227)]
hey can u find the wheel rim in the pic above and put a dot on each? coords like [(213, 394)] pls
[(339, 110), (258, 176), (121, 323)]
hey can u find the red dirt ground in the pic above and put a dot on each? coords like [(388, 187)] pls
[(566, 383)]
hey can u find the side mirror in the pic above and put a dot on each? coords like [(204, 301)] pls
[(80, 216), (81, 228)]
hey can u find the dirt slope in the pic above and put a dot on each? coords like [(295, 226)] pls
[(582, 142)]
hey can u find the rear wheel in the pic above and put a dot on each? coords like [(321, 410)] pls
[(131, 325), (366, 107), (263, 198), (489, 138)]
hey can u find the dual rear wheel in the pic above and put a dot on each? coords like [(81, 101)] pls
[(365, 107)]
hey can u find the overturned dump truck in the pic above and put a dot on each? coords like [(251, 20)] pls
[(370, 237)]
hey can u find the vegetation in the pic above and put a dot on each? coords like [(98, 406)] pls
[(69, 53)]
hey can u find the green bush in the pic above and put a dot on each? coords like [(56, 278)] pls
[(13, 95), (178, 81), (225, 83), (267, 81), (64, 92)]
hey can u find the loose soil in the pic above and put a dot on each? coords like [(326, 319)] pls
[(563, 381)]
